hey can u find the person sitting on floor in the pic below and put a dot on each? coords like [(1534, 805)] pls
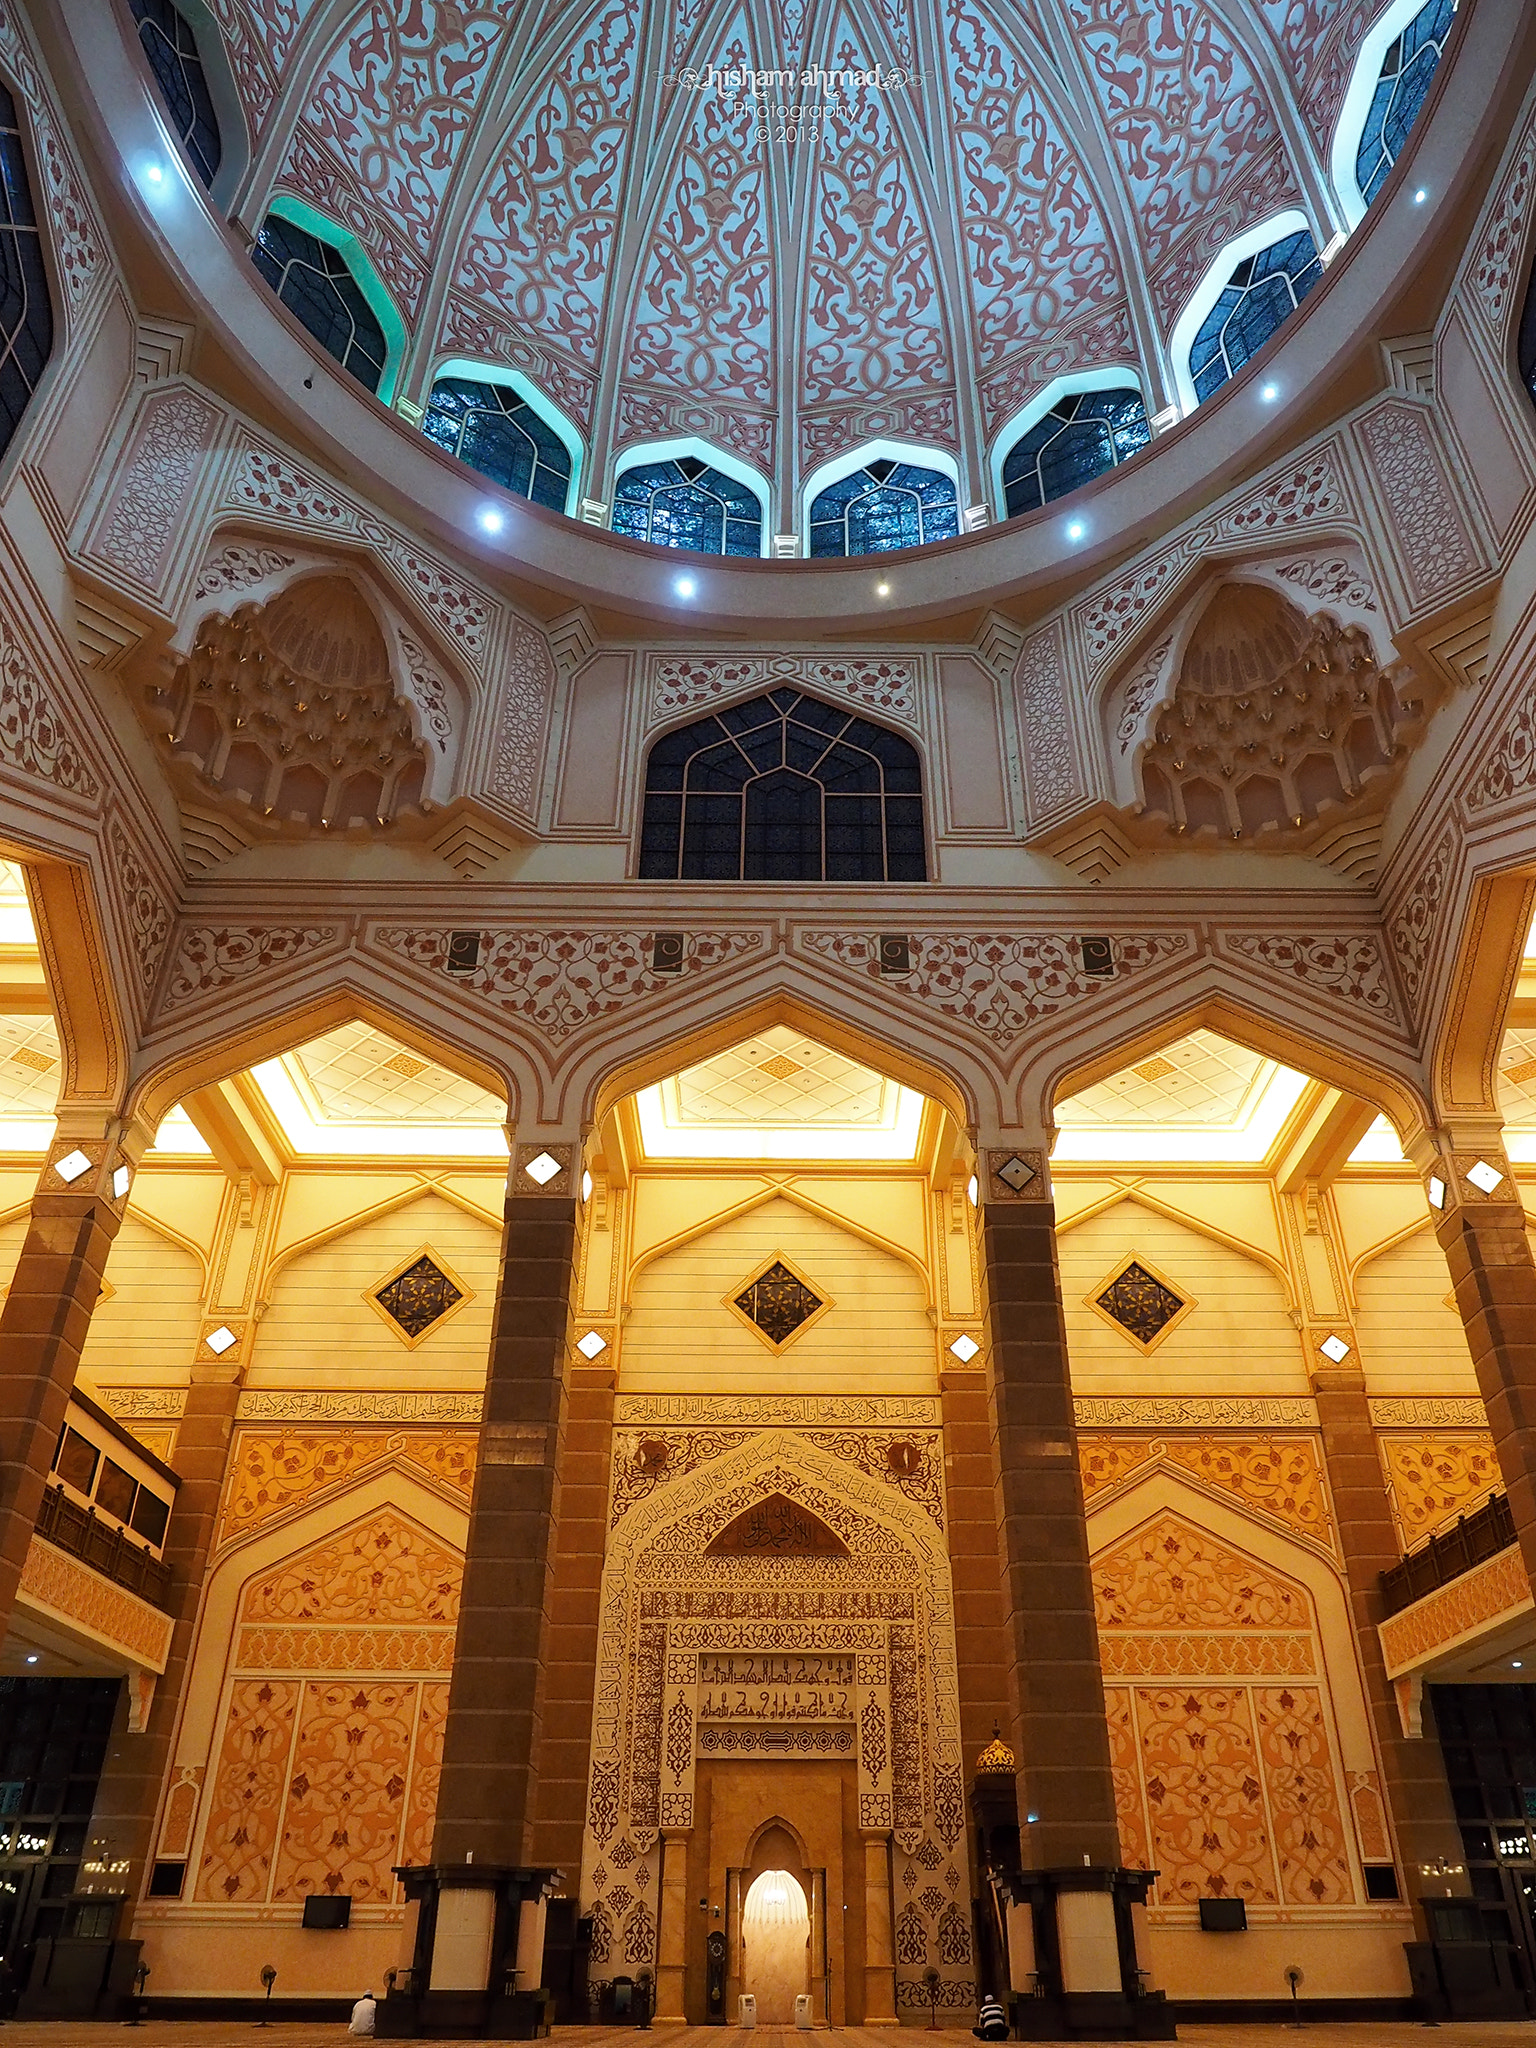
[(363, 2015), (992, 2020)]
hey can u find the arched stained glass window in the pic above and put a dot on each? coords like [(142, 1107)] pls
[(171, 48), (783, 789), (1262, 291), (884, 505), (26, 309), (1525, 341), (685, 503), (1406, 71), (494, 430), (313, 282), (1081, 436)]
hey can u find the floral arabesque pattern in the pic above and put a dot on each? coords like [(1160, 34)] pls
[(272, 1472), (381, 1571), (247, 1790), (346, 1790), (1433, 1479)]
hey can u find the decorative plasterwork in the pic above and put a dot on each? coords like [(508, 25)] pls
[(1428, 1411), (681, 682), (308, 1404), (1195, 1411), (777, 1303), (1139, 1303), (57, 1586), (209, 958), (781, 1411), (418, 1297), (1280, 1478), (1480, 1600)]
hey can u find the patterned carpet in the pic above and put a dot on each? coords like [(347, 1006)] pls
[(241, 2034)]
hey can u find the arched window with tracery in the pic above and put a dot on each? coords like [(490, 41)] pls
[(315, 282), (26, 306), (1083, 434), (1525, 340), (783, 789), (1261, 293), (884, 505), (682, 502), (177, 65), (1406, 70), (494, 430)]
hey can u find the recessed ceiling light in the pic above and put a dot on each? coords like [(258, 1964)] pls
[(965, 1348), (219, 1340), (686, 586), (1076, 529), (1269, 393), (1484, 1176), (491, 519), (154, 174), (32, 1657), (590, 1345), (1515, 1664), (882, 590), (1420, 196), (542, 1169), (71, 1166), (1334, 1348)]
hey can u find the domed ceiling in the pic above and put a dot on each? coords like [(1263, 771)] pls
[(576, 191)]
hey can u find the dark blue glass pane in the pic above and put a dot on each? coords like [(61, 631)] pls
[(1525, 344), (801, 791), (1264, 291), (495, 431), (313, 282), (1406, 72), (688, 504), (1083, 435), (171, 48), (26, 308), (883, 506)]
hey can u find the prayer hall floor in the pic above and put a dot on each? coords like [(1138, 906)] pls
[(310, 2034)]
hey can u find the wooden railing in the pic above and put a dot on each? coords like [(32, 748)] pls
[(103, 1546), (1475, 1538)]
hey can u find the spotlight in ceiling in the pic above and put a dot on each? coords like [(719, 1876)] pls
[(71, 1166), (1420, 196), (32, 1657), (686, 586), (1436, 1192), (219, 1340), (1075, 529), (882, 590), (491, 520), (1269, 393), (154, 173)]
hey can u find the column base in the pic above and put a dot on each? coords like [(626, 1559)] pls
[(1091, 2016), (466, 2016), (462, 1983)]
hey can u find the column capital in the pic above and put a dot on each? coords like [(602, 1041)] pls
[(549, 1167), (1465, 1166), (92, 1157), (1013, 1168)]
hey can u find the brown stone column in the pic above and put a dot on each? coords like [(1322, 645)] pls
[(491, 1748), (1483, 1235), (76, 1214), (1061, 1736), (1413, 1771), (128, 1797), (981, 1634), (565, 1749)]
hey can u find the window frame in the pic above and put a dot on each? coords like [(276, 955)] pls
[(697, 714), (58, 297), (1354, 109), (228, 107), (691, 447), (1112, 377), (558, 422), (1251, 242), (854, 459), (364, 276)]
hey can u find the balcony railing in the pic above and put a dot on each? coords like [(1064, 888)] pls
[(104, 1547), (1475, 1538)]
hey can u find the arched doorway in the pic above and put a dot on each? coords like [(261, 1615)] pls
[(776, 1945)]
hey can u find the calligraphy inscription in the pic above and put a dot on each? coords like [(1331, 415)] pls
[(776, 1688)]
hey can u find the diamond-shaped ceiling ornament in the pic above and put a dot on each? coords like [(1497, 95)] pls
[(419, 1297), (778, 1302), (1140, 1303)]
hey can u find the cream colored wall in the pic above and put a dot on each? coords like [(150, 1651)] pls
[(1239, 1339), (1411, 1339), (146, 1327), (681, 1338), (319, 1330)]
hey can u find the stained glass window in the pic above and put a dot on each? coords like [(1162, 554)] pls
[(26, 310), (313, 281), (1140, 1303), (1081, 436), (493, 430), (171, 48), (778, 1301), (684, 503), (1262, 291), (884, 505), (1406, 71), (419, 1297), (783, 789), (1525, 344)]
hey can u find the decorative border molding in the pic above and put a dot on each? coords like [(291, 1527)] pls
[(1195, 1411), (1428, 1411), (780, 1411), (311, 1405), (1480, 1599)]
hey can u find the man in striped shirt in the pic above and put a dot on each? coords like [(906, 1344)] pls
[(992, 2020)]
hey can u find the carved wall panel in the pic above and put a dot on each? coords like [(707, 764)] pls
[(1280, 1478), (275, 1471), (1433, 1479)]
